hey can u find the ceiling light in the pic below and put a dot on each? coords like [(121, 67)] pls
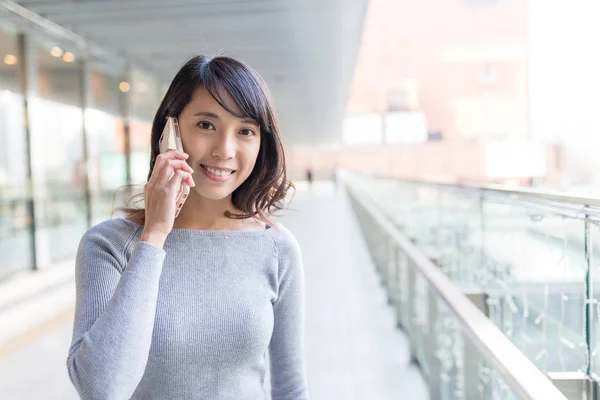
[(68, 57), (10, 59), (124, 87), (56, 51)]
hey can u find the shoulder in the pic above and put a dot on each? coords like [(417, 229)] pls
[(112, 235), (286, 244)]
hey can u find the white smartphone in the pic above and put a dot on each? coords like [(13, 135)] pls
[(171, 139)]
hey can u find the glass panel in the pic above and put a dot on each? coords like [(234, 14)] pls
[(420, 216), (594, 281), (459, 236), (106, 151), (448, 350), (535, 278), (57, 150), (420, 321), (528, 257), (492, 385), (461, 371), (145, 90), (15, 218)]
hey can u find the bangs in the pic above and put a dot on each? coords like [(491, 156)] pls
[(238, 90)]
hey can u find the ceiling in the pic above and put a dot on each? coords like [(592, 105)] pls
[(305, 49)]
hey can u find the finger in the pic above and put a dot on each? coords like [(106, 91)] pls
[(177, 180), (164, 173), (159, 163), (170, 154), (174, 184), (181, 164), (190, 181), (183, 193), (169, 168), (174, 153)]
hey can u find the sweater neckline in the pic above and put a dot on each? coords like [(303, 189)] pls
[(203, 232)]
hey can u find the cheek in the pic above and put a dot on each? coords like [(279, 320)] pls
[(250, 157)]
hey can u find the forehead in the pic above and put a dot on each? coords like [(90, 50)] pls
[(202, 100)]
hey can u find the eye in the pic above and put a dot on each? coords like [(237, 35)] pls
[(247, 132), (205, 125)]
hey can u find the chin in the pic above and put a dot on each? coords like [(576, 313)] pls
[(212, 194), (212, 191)]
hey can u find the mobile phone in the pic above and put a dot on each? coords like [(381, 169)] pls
[(171, 139)]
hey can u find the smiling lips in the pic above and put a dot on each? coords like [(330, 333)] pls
[(217, 174)]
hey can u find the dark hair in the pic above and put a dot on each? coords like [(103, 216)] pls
[(261, 194)]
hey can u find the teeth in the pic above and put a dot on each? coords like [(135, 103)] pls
[(218, 171)]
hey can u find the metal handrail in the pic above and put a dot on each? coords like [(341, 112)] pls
[(519, 373)]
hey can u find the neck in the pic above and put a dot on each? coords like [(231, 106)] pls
[(206, 214)]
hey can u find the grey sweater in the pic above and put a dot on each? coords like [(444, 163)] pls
[(192, 320)]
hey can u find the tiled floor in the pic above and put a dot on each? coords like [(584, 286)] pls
[(354, 350)]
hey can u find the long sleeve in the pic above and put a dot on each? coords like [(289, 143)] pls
[(114, 315), (286, 350)]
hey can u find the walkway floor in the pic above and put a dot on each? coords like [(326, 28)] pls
[(354, 350)]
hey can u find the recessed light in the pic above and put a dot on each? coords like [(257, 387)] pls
[(10, 59), (124, 87), (56, 51), (68, 57)]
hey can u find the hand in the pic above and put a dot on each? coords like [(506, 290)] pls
[(162, 191)]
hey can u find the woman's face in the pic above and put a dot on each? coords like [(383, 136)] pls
[(222, 148)]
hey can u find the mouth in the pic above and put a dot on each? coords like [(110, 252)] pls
[(217, 174)]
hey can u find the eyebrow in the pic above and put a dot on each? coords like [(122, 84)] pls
[(215, 116)]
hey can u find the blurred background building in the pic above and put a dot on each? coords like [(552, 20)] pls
[(475, 91)]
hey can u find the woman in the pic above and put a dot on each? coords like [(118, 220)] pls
[(187, 307)]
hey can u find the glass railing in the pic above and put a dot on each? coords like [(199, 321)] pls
[(526, 260)]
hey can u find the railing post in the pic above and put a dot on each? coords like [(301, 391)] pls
[(473, 361), (575, 385), (435, 369), (589, 295), (411, 302), (579, 385), (403, 307), (392, 265), (384, 250)]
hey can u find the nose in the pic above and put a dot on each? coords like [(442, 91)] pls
[(224, 147)]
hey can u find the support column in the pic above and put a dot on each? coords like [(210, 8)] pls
[(84, 79), (28, 87), (124, 110)]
